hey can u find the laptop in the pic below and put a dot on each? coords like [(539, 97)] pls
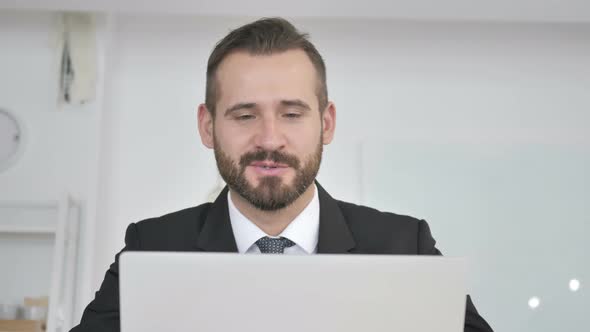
[(222, 292)]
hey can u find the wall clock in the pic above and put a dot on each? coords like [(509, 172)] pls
[(11, 139)]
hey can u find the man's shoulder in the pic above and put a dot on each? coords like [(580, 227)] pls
[(381, 232), (178, 218), (364, 214), (173, 231)]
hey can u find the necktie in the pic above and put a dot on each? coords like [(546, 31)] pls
[(269, 245)]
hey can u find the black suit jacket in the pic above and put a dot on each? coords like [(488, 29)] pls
[(345, 228)]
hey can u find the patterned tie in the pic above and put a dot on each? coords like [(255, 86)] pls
[(269, 245)]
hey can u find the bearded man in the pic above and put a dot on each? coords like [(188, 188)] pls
[(267, 117)]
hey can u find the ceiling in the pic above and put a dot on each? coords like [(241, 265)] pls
[(472, 10)]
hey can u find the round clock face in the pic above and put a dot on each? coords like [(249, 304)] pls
[(10, 139)]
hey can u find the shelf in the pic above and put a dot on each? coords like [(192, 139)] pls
[(20, 325), (27, 230), (29, 204)]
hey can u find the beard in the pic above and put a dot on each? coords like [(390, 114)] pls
[(271, 194)]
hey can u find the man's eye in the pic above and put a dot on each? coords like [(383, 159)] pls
[(245, 117), (292, 115)]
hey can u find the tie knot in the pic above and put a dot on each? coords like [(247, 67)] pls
[(269, 245)]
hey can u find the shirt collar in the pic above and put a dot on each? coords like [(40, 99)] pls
[(303, 230)]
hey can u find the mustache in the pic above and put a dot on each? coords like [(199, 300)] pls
[(274, 156)]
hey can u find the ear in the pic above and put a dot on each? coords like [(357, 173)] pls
[(205, 126), (329, 123)]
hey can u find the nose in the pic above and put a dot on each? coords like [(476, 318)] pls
[(269, 135)]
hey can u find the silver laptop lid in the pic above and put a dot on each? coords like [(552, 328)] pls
[(209, 292)]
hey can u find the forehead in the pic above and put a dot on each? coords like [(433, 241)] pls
[(243, 77)]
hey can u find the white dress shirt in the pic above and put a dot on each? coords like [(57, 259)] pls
[(303, 230)]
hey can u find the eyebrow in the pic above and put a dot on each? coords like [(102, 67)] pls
[(284, 103), (297, 103)]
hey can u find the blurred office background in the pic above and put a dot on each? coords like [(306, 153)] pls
[(472, 115)]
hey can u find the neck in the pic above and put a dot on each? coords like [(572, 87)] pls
[(273, 223)]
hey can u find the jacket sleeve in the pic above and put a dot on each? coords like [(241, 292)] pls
[(426, 246), (102, 314)]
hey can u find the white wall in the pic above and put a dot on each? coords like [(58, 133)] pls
[(60, 153), (424, 110), (59, 144)]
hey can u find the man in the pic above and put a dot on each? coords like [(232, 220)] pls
[(267, 116)]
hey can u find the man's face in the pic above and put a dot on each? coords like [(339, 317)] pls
[(267, 133)]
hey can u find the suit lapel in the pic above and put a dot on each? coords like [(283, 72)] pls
[(334, 236), (217, 234)]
